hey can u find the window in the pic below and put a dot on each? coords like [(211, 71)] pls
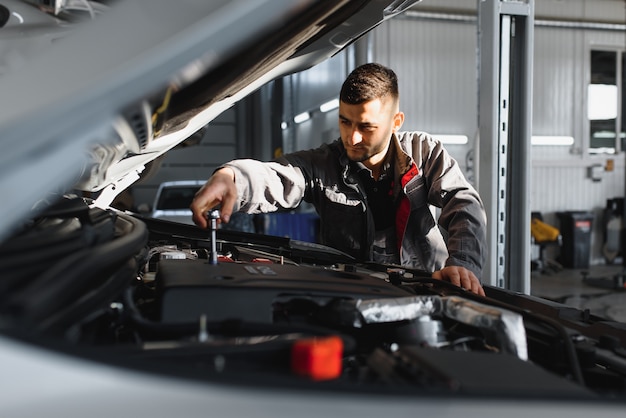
[(605, 102)]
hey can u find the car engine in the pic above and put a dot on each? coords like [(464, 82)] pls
[(249, 309)]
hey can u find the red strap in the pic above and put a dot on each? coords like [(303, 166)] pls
[(404, 208)]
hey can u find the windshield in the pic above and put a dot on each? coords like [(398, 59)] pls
[(176, 197)]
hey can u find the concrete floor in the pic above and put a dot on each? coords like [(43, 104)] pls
[(598, 288)]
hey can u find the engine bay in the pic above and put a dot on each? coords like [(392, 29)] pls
[(249, 309)]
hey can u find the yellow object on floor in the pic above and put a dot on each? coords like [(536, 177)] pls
[(542, 232)]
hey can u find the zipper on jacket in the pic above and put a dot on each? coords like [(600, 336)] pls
[(349, 181)]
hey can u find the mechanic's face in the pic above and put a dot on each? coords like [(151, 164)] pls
[(366, 129)]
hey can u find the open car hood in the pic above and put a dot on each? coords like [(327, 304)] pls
[(90, 109)]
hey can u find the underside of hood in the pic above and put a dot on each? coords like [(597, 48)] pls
[(113, 93)]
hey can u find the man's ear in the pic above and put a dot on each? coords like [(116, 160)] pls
[(398, 120)]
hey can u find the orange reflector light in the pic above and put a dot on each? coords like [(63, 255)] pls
[(317, 358)]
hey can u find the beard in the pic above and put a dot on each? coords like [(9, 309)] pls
[(358, 155), (362, 153)]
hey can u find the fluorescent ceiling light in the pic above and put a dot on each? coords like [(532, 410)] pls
[(562, 141), (452, 139), (603, 150), (330, 105), (604, 135), (301, 117)]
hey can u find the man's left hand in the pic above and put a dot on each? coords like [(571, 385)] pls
[(462, 277)]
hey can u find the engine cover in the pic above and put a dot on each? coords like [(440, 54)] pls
[(189, 289)]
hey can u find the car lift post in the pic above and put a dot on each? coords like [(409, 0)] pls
[(505, 30)]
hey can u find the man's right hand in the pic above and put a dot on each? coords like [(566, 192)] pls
[(218, 190), (462, 277)]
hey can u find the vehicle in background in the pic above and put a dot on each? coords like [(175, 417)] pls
[(172, 200)]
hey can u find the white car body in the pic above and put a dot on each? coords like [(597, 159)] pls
[(172, 200)]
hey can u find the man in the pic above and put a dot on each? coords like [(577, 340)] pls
[(372, 188)]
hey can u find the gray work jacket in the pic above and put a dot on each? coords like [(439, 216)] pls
[(425, 176)]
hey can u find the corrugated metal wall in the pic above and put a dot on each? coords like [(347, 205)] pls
[(217, 145), (436, 66), (559, 70), (305, 92), (560, 180), (438, 59), (436, 62), (429, 55)]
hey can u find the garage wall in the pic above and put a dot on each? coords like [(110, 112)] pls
[(216, 145), (438, 93), (436, 62), (305, 92), (560, 180), (442, 92)]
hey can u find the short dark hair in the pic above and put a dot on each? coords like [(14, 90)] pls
[(368, 82)]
